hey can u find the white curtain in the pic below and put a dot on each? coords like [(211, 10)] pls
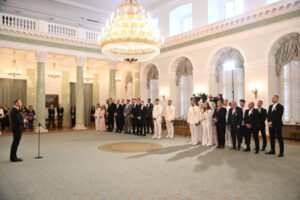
[(154, 89), (185, 93), (290, 91)]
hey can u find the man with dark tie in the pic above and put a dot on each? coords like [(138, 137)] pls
[(251, 127), (51, 116), (149, 117), (219, 118), (142, 119), (243, 127), (127, 113), (119, 114), (234, 122), (60, 115), (261, 125), (111, 109), (134, 116), (274, 118), (17, 128)]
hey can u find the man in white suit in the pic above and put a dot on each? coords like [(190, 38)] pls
[(157, 110), (170, 115), (193, 121)]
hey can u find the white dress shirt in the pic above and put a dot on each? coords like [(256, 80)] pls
[(274, 106)]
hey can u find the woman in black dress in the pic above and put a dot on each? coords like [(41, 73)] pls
[(93, 110), (5, 120)]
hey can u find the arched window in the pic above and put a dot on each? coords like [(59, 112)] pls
[(184, 82), (230, 74), (181, 19), (153, 82), (128, 82), (288, 68)]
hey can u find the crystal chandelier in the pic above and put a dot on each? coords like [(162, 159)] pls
[(88, 76), (53, 73), (14, 71), (129, 35)]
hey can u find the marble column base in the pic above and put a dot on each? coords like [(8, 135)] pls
[(42, 130), (79, 128)]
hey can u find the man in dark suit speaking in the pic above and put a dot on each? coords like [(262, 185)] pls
[(17, 128)]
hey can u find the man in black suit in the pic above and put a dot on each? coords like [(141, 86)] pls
[(17, 128), (149, 116), (261, 125), (111, 109), (60, 115), (274, 118), (119, 116), (51, 116), (243, 127), (134, 116), (234, 122), (251, 127), (142, 119), (219, 118)]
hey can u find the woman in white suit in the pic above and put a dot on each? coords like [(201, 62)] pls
[(97, 117), (201, 117), (207, 137)]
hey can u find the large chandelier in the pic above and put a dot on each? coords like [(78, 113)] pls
[(53, 73), (14, 71), (129, 35)]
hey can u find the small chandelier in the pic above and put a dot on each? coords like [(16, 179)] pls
[(88, 76), (53, 73), (129, 35), (14, 71)]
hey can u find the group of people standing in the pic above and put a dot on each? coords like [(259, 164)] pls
[(232, 124)]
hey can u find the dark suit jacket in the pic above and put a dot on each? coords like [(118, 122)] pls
[(17, 121), (143, 112), (60, 110), (111, 109), (51, 113), (135, 110), (252, 118), (236, 118), (149, 110), (221, 116), (261, 117), (275, 116), (119, 110)]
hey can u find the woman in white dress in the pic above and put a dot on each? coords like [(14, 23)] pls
[(207, 137), (200, 129), (97, 117)]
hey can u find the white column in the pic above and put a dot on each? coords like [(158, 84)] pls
[(79, 95), (40, 90)]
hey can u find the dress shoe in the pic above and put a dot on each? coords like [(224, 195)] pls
[(221, 147), (190, 142), (238, 149), (246, 150), (232, 148), (17, 160), (263, 149), (218, 147), (270, 152), (158, 137), (256, 152), (153, 137), (280, 155)]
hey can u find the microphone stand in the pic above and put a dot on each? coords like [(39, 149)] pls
[(39, 138)]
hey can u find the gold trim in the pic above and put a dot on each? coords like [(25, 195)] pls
[(137, 40)]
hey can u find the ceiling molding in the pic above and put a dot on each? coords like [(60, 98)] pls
[(80, 5)]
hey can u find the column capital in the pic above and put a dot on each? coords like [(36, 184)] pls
[(113, 65), (41, 56), (80, 61)]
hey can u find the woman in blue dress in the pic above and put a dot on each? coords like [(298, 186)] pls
[(30, 117)]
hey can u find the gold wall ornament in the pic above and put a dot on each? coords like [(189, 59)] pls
[(129, 35)]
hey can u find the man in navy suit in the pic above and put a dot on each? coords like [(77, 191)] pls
[(17, 129), (219, 118), (251, 127), (261, 125), (274, 118), (235, 118)]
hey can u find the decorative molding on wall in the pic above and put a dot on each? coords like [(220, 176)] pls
[(267, 15)]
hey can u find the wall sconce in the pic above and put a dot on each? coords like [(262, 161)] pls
[(163, 94), (255, 88), (118, 78)]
